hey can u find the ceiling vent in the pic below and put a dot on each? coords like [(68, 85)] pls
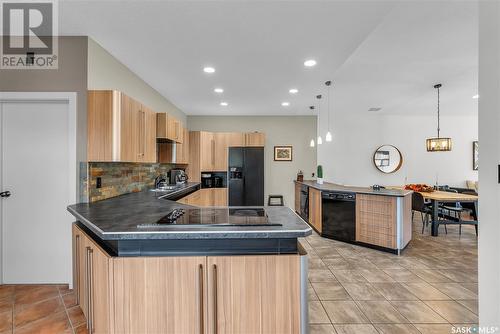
[(375, 109)]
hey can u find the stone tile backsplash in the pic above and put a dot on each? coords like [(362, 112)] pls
[(117, 178)]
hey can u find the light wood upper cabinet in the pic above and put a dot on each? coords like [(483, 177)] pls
[(315, 212), (236, 139), (160, 295), (182, 150), (253, 294), (168, 127), (119, 128), (256, 139), (221, 145), (207, 151), (149, 135)]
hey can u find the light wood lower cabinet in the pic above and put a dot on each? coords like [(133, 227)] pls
[(190, 294), (160, 295), (253, 294), (93, 284), (315, 212), (206, 197)]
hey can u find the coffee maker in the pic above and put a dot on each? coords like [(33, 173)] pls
[(177, 176)]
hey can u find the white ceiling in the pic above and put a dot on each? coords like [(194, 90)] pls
[(378, 54)]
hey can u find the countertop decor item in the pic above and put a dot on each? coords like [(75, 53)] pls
[(283, 153), (320, 174), (388, 159), (438, 144), (300, 176), (421, 188)]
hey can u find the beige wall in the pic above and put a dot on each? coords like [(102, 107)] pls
[(106, 72), (71, 76), (288, 130)]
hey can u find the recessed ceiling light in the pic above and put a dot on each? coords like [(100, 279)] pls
[(224, 104), (293, 91), (208, 69), (476, 96), (285, 104), (310, 63), (219, 90)]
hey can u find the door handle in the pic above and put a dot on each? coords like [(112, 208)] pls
[(202, 320), (87, 284), (77, 265), (5, 194), (215, 299)]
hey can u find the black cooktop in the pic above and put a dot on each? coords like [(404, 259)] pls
[(247, 216)]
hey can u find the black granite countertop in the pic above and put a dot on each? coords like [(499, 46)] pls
[(327, 186), (117, 219)]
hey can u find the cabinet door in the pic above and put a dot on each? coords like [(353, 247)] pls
[(253, 294), (315, 213), (236, 139), (206, 197), (191, 199), (100, 108), (160, 295), (130, 117), (101, 290), (182, 150), (256, 139), (207, 148), (79, 268), (220, 151), (174, 129), (149, 135), (219, 196)]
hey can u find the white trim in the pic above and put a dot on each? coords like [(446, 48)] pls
[(70, 98)]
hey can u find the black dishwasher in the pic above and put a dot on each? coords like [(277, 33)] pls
[(339, 215)]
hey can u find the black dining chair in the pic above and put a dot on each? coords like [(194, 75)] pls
[(471, 207), (452, 209), (418, 204)]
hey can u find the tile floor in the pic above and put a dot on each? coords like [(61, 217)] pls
[(41, 309), (428, 289), (431, 287)]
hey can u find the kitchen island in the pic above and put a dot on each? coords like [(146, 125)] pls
[(146, 264), (379, 219)]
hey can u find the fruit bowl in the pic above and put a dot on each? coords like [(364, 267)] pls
[(421, 188)]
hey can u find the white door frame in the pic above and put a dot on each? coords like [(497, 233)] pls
[(70, 98)]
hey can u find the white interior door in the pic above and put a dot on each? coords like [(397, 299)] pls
[(36, 228)]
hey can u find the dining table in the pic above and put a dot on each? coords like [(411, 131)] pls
[(438, 196)]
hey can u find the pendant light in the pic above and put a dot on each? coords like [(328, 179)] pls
[(438, 144), (328, 136), (320, 140), (312, 140)]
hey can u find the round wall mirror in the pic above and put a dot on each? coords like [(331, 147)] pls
[(387, 159)]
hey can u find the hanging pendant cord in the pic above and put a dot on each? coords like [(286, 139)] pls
[(328, 108), (438, 114)]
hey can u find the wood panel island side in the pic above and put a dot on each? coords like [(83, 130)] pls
[(382, 217)]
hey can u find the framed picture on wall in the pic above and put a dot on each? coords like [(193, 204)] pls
[(475, 155), (283, 153)]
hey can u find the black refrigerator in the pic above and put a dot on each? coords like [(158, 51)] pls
[(246, 176)]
